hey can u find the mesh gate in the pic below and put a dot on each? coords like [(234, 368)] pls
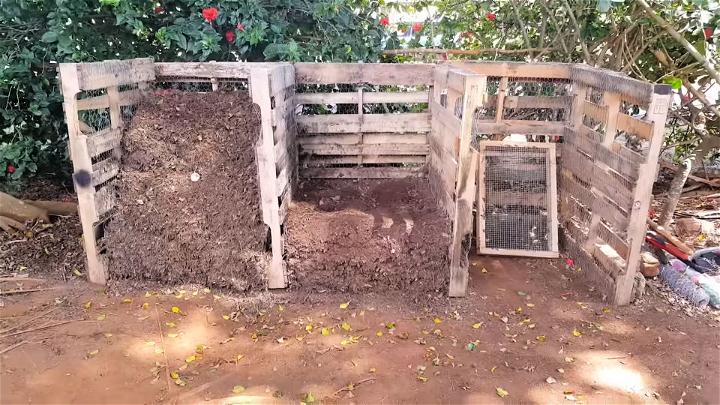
[(517, 199)]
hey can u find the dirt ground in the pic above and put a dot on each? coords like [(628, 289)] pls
[(174, 227), (367, 235), (528, 328)]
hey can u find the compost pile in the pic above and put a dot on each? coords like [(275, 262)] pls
[(188, 198), (368, 235)]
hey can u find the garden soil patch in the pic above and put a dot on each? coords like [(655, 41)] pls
[(367, 235), (172, 229)]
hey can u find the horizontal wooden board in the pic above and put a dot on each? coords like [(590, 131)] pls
[(365, 149), (105, 200), (373, 73), (408, 97), (446, 118), (104, 171), (518, 252), (516, 198), (320, 160), (597, 112), (607, 80), (128, 97), (282, 77), (103, 141), (353, 123), (218, 70), (635, 126), (523, 127), (599, 205), (552, 102), (361, 172), (355, 139), (518, 69), (98, 75), (602, 154)]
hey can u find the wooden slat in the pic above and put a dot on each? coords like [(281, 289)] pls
[(446, 118), (518, 252), (128, 97), (361, 172), (597, 204), (553, 102), (635, 126), (598, 151), (219, 70), (283, 180), (506, 198), (103, 141), (373, 73), (104, 171), (523, 127), (352, 123), (105, 200), (606, 80), (518, 69), (281, 77), (366, 149), (446, 169), (98, 75), (369, 97), (319, 161), (595, 111), (369, 138)]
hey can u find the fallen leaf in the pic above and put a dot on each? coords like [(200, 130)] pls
[(174, 375), (238, 389), (540, 338), (101, 317), (309, 398), (190, 359), (437, 321), (492, 370), (175, 310), (422, 378), (501, 392), (88, 305), (530, 305), (172, 335), (569, 359), (326, 331), (550, 380), (390, 325), (77, 272), (281, 308), (483, 270), (576, 333), (372, 370), (477, 325), (378, 333), (226, 317), (145, 305), (346, 327), (127, 301), (309, 328), (94, 352), (179, 382), (170, 324), (199, 349), (345, 305)]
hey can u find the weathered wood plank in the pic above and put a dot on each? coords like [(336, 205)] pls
[(361, 172), (320, 161), (207, 70), (105, 200), (104, 171), (353, 123), (445, 117), (365, 149), (635, 126), (368, 138), (552, 102), (369, 97), (128, 97), (595, 111), (518, 69), (373, 73), (506, 198), (103, 141), (523, 127), (601, 153), (98, 75), (607, 80)]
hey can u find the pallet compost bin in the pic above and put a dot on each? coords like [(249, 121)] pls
[(590, 116)]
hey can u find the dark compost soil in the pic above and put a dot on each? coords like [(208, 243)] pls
[(367, 235), (176, 230)]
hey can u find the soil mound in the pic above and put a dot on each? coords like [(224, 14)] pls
[(368, 235), (188, 206)]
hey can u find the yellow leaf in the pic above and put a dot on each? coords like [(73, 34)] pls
[(170, 324), (199, 349), (378, 333), (492, 370), (501, 392), (101, 317), (326, 331), (145, 305), (179, 382), (190, 359), (576, 333), (88, 305), (309, 398), (172, 335), (309, 328), (148, 294), (150, 343), (226, 317), (540, 338), (174, 375), (390, 325), (345, 305), (606, 310), (346, 327), (530, 305), (108, 335), (422, 378), (437, 321), (238, 389), (477, 325), (206, 290), (372, 370), (483, 270), (239, 357), (281, 308), (94, 352), (175, 310), (77, 272), (127, 301)]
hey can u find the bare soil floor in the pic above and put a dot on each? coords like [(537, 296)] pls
[(530, 328), (367, 235)]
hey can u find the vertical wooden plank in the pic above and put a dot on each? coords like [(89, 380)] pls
[(260, 91), (578, 105), (480, 217), (500, 106), (360, 114), (474, 94), (82, 167), (657, 113), (114, 102), (551, 183)]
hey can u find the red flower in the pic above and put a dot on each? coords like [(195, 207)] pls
[(570, 262), (10, 168), (210, 14), (490, 16), (385, 21), (417, 27), (230, 36), (708, 31), (241, 27), (159, 10)]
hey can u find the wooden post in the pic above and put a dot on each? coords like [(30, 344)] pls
[(480, 217), (265, 152), (473, 97), (500, 106), (82, 167), (551, 184), (637, 227), (360, 114)]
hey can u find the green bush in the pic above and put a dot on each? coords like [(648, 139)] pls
[(37, 34)]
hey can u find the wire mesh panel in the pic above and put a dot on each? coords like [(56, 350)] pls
[(517, 207)]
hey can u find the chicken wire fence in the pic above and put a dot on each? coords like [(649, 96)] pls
[(516, 189)]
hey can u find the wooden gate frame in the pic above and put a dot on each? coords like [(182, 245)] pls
[(551, 195)]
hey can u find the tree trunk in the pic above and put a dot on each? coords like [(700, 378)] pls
[(676, 188)]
